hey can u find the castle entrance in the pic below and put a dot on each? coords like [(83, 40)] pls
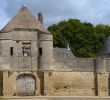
[(25, 85)]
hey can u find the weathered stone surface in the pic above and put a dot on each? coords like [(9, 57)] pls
[(57, 74), (71, 83)]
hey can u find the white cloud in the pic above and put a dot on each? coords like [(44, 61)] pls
[(94, 11)]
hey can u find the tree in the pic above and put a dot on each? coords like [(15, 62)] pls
[(84, 38)]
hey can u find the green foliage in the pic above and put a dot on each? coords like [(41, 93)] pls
[(85, 39)]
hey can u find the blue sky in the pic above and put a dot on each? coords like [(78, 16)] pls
[(94, 11)]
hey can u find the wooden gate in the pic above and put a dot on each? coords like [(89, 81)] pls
[(25, 85)]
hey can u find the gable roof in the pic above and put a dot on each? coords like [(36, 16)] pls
[(106, 47), (24, 19)]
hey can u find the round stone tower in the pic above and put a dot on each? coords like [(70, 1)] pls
[(45, 48), (45, 51)]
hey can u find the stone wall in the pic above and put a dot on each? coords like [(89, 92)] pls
[(71, 84), (18, 63), (77, 83), (77, 64), (57, 83), (1, 82), (82, 64)]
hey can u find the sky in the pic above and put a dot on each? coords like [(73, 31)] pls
[(94, 11)]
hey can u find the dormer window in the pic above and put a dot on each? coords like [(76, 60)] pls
[(26, 49)]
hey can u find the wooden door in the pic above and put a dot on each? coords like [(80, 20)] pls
[(25, 85)]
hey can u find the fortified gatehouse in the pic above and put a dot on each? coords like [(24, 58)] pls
[(30, 66)]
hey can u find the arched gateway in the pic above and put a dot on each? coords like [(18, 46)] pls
[(25, 85)]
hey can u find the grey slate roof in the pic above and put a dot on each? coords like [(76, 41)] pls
[(106, 48), (24, 19), (64, 51)]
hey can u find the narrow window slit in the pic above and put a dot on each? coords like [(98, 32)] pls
[(40, 51), (11, 51)]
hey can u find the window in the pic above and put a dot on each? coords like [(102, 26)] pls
[(40, 51), (26, 49), (17, 41), (11, 51)]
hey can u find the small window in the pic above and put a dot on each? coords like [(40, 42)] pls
[(11, 51), (40, 51), (26, 49), (17, 41)]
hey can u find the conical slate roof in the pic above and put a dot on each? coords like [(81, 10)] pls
[(106, 47), (24, 19)]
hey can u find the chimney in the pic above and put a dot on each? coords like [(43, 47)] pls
[(40, 17)]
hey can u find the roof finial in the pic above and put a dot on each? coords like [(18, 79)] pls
[(68, 46)]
